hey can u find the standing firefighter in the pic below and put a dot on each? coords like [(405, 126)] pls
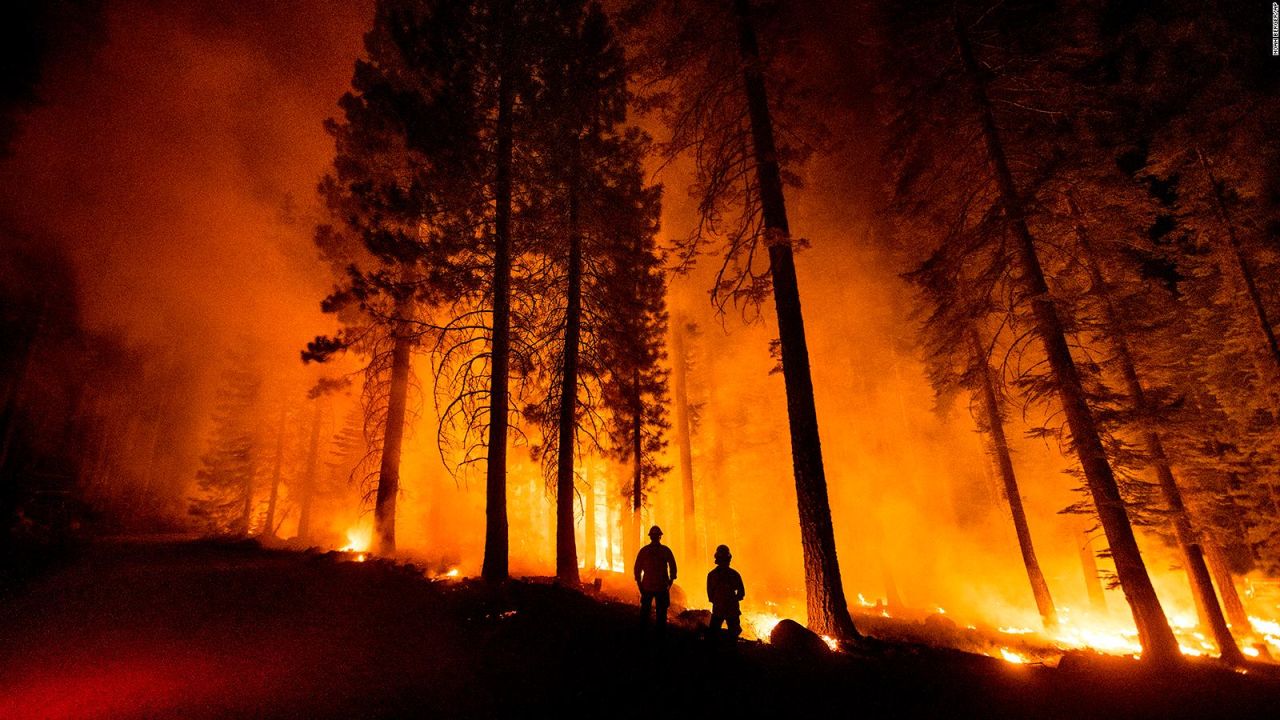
[(725, 591), (655, 569)]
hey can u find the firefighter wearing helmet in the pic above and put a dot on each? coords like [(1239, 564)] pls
[(655, 570), (725, 591)]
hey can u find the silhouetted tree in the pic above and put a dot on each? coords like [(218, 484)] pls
[(230, 468), (707, 76), (600, 209), (995, 123)]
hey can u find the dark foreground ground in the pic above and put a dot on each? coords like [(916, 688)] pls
[(205, 630)]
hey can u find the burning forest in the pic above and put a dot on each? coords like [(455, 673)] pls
[(401, 357)]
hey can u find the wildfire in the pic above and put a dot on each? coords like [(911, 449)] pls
[(760, 624), (1270, 632), (1267, 628), (359, 539), (1013, 657)]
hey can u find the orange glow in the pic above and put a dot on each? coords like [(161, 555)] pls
[(1013, 657), (759, 625), (359, 539), (212, 229)]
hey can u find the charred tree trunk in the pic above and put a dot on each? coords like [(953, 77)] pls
[(824, 591), (309, 480), (1155, 636), (1000, 445), (384, 506), (1207, 606), (496, 541), (269, 528), (566, 547), (1259, 309), (1092, 583), (680, 371)]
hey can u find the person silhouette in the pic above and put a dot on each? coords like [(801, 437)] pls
[(653, 579), (725, 591)]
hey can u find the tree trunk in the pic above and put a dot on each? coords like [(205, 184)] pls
[(824, 591), (309, 480), (244, 523), (892, 598), (637, 455), (566, 548), (269, 528), (1259, 309), (589, 525), (628, 526), (1231, 603), (680, 371), (995, 430), (495, 538), (1188, 541), (1154, 634), (613, 517), (1092, 583), (384, 506)]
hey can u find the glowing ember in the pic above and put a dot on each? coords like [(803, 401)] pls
[(831, 642), (452, 573), (361, 557), (1250, 651), (1013, 657)]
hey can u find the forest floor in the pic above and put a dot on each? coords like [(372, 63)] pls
[(146, 629)]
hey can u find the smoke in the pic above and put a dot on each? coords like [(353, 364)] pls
[(176, 165), (173, 162), (172, 158)]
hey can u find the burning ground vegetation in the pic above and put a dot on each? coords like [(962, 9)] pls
[(1077, 632)]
